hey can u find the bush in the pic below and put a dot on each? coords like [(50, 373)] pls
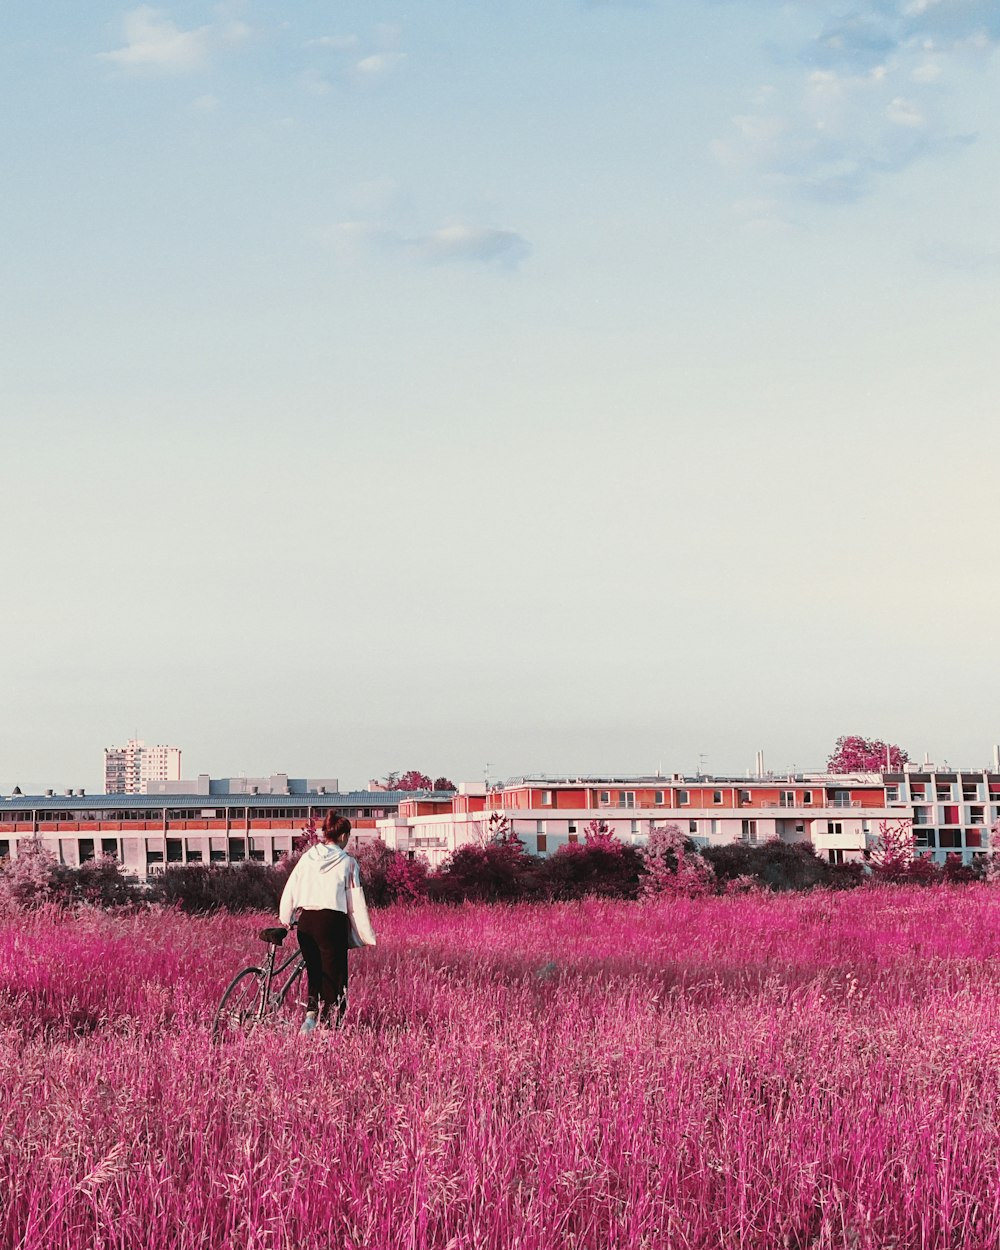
[(201, 888), (601, 865), (498, 872), (780, 866), (36, 877), (390, 876), (672, 865)]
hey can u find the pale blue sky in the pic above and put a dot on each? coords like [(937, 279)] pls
[(560, 385)]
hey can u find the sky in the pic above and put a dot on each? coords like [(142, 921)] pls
[(497, 388)]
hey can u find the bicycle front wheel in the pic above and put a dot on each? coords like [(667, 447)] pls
[(242, 1006)]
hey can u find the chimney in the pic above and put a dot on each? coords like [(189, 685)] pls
[(996, 757)]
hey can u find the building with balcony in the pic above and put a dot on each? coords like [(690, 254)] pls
[(839, 814), (131, 768)]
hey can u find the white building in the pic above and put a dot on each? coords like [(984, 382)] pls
[(131, 768)]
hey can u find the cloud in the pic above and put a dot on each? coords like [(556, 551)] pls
[(335, 43), (153, 41), (457, 243), (867, 102), (378, 64), (472, 243)]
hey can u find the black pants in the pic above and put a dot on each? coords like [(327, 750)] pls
[(323, 942)]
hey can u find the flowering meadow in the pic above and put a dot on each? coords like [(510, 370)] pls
[(768, 1071)]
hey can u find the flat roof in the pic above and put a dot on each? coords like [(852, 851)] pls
[(131, 802)]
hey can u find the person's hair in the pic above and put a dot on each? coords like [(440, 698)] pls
[(334, 826)]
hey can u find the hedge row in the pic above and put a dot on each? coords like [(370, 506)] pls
[(499, 871)]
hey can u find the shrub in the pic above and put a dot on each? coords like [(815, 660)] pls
[(781, 866), (672, 865), (601, 865), (201, 888), (497, 872)]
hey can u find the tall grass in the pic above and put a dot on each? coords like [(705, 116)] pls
[(802, 1071)]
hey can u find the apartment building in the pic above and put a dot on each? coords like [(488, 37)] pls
[(839, 814), (131, 768)]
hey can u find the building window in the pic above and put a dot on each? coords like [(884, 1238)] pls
[(713, 826), (744, 796), (749, 831), (634, 827), (109, 846), (682, 797), (237, 849), (175, 851), (951, 839), (835, 855), (658, 797), (892, 794), (194, 857), (571, 827), (692, 826), (604, 798), (628, 798), (539, 826), (924, 838), (834, 826), (716, 796), (86, 850), (973, 837), (546, 798), (541, 843), (977, 815), (216, 857), (787, 798), (154, 857), (807, 797)]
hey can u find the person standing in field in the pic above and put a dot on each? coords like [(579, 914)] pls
[(318, 887)]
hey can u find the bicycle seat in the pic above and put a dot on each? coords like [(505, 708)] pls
[(274, 937)]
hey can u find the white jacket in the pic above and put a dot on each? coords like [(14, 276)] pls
[(319, 880)]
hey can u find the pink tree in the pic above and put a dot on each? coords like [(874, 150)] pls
[(893, 854), (671, 869), (854, 754)]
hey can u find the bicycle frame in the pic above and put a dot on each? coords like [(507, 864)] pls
[(271, 974)]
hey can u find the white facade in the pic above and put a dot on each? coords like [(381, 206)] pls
[(131, 768)]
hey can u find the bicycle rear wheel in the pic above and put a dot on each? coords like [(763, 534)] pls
[(242, 1005)]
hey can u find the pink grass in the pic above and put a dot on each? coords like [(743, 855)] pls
[(806, 1071)]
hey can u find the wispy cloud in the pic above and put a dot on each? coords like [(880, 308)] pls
[(154, 42), (456, 243), (868, 101)]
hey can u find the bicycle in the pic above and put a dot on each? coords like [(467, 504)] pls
[(256, 995)]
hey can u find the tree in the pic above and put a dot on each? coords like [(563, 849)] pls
[(410, 780), (443, 783), (893, 853), (673, 866), (854, 754)]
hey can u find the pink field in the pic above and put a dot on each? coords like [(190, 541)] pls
[(806, 1071)]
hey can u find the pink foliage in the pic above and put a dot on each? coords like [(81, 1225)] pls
[(854, 754), (671, 868), (800, 1070), (893, 853)]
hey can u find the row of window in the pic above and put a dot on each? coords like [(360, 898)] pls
[(236, 814)]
